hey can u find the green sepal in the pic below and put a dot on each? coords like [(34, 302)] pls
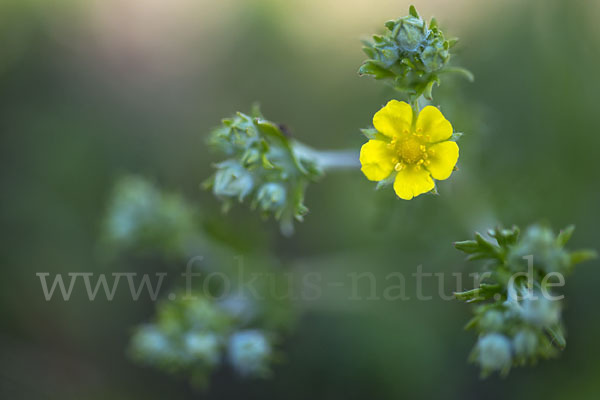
[(483, 292)]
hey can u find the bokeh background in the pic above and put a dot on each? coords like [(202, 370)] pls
[(93, 89)]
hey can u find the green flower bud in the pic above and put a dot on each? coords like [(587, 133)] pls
[(271, 196), (541, 311), (203, 346), (435, 55), (140, 214), (249, 352), (525, 343), (541, 243), (232, 180), (412, 32), (149, 342), (410, 55), (494, 352), (492, 320)]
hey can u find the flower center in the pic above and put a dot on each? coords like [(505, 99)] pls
[(410, 150)]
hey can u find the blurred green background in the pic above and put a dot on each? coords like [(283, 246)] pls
[(90, 90)]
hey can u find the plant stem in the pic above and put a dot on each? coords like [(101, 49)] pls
[(328, 160)]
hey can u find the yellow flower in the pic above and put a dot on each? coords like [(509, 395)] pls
[(416, 149)]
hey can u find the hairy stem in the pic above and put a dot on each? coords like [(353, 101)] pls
[(329, 160)]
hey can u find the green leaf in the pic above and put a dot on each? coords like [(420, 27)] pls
[(483, 292), (557, 337), (461, 71), (467, 246), (486, 244), (565, 235), (413, 11), (385, 182), (456, 136), (580, 256), (433, 23), (370, 68), (370, 133)]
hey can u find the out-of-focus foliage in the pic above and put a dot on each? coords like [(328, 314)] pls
[(520, 320), (141, 216), (194, 336), (217, 319)]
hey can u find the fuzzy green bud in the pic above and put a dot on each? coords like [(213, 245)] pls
[(435, 55), (203, 346), (271, 196), (412, 32), (232, 180), (494, 352), (525, 343), (540, 311), (492, 320), (548, 253), (249, 352)]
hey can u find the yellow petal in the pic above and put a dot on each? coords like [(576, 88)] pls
[(393, 119), (433, 125), (376, 160), (443, 157), (412, 181)]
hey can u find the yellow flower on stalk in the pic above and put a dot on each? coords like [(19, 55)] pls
[(414, 148)]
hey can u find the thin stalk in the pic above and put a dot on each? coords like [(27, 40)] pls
[(328, 160)]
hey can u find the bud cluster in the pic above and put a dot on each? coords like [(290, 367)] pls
[(519, 319), (263, 167), (197, 335), (411, 55)]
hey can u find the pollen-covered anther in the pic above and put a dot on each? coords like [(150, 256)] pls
[(398, 167), (410, 150), (392, 144)]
